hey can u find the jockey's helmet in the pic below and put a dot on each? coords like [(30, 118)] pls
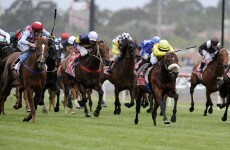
[(155, 39), (126, 35), (71, 39), (37, 26), (65, 35), (163, 45), (214, 41), (93, 36)]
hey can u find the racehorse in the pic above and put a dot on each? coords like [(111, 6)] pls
[(214, 69), (32, 75), (87, 75), (225, 93), (122, 75), (162, 83), (5, 50), (52, 62)]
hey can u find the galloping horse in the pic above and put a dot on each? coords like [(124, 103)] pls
[(225, 93), (162, 82), (122, 75), (87, 75), (32, 75), (214, 69)]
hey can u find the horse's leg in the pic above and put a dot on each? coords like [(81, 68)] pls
[(90, 99), (18, 103), (57, 91), (138, 105), (117, 103), (224, 118), (154, 112), (83, 102), (21, 90), (208, 103), (222, 105), (164, 99), (100, 95), (173, 118), (150, 97), (193, 86), (29, 94), (131, 91)]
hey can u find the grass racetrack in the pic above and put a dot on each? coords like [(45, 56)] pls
[(108, 132)]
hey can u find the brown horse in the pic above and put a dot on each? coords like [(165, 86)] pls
[(33, 67), (87, 75), (214, 69), (225, 93), (162, 83), (122, 75)]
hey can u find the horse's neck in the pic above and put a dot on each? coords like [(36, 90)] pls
[(127, 64), (31, 61), (92, 62), (215, 69), (50, 64)]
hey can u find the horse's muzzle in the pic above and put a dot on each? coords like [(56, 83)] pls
[(41, 64), (174, 74)]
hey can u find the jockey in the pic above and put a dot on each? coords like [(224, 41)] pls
[(63, 44), (14, 38), (118, 43), (158, 51), (208, 50), (84, 42), (146, 49), (27, 39), (4, 36)]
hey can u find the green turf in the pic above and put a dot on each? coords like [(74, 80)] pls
[(68, 131)]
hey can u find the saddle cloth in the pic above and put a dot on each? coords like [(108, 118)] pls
[(70, 69)]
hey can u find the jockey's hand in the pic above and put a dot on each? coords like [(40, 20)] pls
[(32, 45), (52, 36)]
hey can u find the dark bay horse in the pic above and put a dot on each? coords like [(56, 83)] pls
[(214, 69), (5, 50), (225, 93), (87, 75), (162, 82), (122, 75), (32, 75)]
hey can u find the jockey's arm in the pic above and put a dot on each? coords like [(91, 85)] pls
[(23, 39), (170, 48), (46, 33), (201, 48), (6, 35)]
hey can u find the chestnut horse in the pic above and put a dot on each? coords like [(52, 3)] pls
[(162, 83), (214, 69), (32, 75), (87, 75), (122, 75)]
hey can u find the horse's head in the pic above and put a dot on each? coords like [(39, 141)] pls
[(131, 49), (170, 62), (102, 50), (54, 51), (222, 58), (41, 51)]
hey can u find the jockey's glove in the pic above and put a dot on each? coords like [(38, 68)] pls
[(32, 45)]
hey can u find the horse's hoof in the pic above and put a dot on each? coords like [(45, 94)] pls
[(56, 109), (129, 105), (119, 111), (224, 118), (210, 110), (148, 110), (173, 118), (44, 110), (16, 106), (191, 109), (166, 122), (136, 121), (72, 111), (87, 114), (28, 110), (205, 114), (41, 103), (103, 104), (26, 119), (96, 113)]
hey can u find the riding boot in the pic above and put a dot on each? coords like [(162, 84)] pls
[(146, 68), (201, 67), (16, 66)]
